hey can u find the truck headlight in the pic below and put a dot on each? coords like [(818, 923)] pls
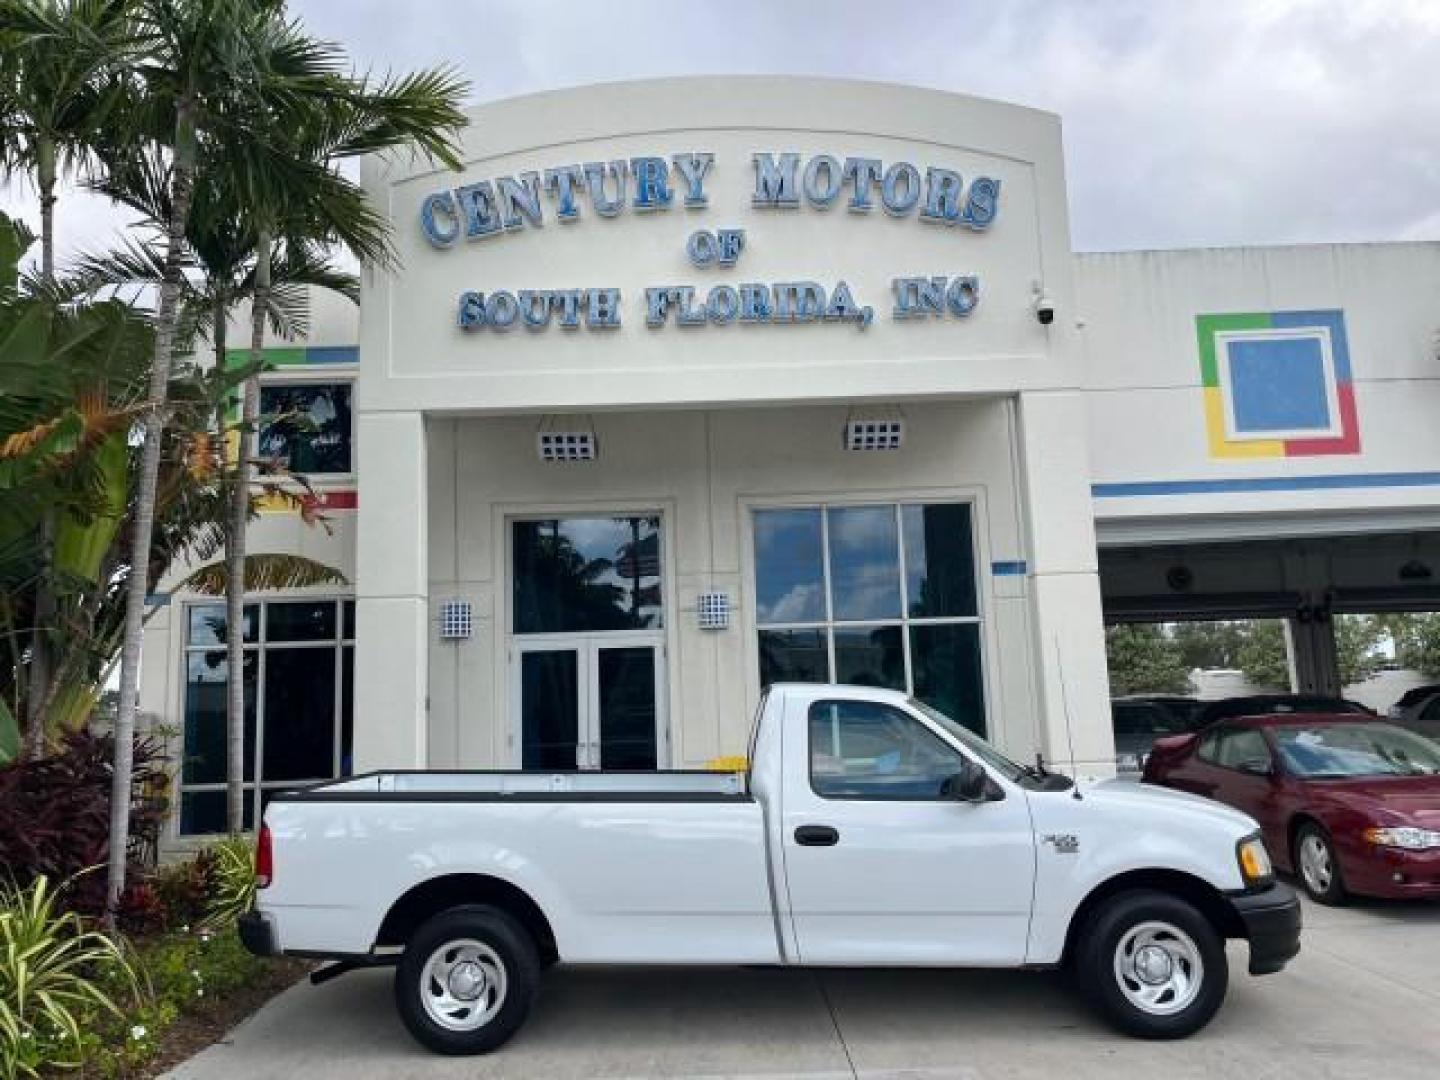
[(1404, 836), (1255, 867)]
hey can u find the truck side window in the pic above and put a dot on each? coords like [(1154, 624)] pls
[(868, 750)]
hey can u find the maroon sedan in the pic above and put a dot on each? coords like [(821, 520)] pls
[(1348, 804)]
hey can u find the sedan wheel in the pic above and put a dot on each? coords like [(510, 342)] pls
[(1318, 867)]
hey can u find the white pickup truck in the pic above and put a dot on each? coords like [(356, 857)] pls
[(870, 830)]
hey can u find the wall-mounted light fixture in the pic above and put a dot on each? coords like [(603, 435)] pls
[(712, 610), (457, 620)]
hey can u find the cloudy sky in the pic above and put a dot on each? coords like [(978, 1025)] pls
[(1187, 122)]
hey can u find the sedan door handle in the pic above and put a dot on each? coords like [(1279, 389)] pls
[(817, 836)]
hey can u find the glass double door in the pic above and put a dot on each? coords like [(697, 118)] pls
[(590, 702)]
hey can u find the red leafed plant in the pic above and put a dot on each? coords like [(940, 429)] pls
[(55, 816)]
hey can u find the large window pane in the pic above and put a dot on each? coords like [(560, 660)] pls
[(793, 656), (306, 426), (939, 560), (208, 624), (870, 656), (586, 574), (299, 714), (206, 738), (300, 620), (789, 567), (205, 812), (347, 711), (945, 659), (864, 563)]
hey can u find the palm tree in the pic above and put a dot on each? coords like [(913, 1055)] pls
[(196, 63), (293, 191)]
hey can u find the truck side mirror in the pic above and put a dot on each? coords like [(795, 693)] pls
[(971, 784)]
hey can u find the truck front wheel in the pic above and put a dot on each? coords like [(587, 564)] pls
[(1153, 965), (466, 980)]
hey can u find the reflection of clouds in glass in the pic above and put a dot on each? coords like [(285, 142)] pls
[(321, 410), (870, 591), (862, 526), (800, 604)]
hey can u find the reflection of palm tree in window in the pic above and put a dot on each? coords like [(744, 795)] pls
[(558, 589), (640, 558), (307, 428)]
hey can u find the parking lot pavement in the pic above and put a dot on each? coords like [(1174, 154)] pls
[(1360, 1000)]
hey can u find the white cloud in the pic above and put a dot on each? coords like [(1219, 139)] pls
[(1186, 123)]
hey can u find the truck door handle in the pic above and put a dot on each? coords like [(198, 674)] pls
[(817, 836)]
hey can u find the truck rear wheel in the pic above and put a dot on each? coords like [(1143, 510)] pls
[(1153, 965), (466, 980)]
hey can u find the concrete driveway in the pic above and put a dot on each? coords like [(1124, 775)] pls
[(1361, 1000)]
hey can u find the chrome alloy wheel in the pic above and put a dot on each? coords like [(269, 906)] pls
[(1315, 865), (1158, 968), (463, 985)]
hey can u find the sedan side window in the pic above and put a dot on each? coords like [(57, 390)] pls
[(1245, 750), (1210, 747), (868, 750)]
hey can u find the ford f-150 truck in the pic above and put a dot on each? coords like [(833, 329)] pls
[(870, 830)]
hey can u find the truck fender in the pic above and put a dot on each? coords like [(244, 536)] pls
[(1204, 896), (428, 898)]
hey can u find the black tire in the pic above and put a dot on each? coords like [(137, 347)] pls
[(1331, 891), (1111, 925), (510, 950)]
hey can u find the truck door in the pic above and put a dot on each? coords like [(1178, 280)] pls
[(883, 869)]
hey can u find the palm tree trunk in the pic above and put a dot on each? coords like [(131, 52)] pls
[(239, 519), (40, 643), (45, 181), (181, 190)]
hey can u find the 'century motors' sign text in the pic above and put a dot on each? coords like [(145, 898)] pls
[(488, 208)]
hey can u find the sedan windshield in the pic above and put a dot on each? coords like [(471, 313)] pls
[(1333, 751)]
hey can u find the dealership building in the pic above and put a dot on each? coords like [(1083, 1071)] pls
[(683, 387)]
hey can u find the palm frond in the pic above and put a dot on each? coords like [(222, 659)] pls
[(265, 572)]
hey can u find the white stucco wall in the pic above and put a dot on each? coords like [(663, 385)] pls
[(715, 466)]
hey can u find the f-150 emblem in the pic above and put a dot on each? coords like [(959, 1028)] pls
[(1065, 843)]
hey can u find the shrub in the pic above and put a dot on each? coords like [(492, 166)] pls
[(55, 815), (185, 889), (233, 893), (51, 975)]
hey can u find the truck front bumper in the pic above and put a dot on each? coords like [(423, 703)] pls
[(257, 934), (1272, 922)]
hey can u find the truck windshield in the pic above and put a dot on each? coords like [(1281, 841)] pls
[(975, 744)]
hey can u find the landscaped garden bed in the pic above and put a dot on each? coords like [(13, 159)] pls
[(170, 978)]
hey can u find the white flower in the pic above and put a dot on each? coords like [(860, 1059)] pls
[(137, 1032), (199, 991)]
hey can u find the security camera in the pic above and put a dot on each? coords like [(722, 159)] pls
[(1044, 309)]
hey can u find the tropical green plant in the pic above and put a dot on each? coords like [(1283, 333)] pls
[(233, 890), (56, 88), (50, 967)]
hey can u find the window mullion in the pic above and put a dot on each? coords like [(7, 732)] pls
[(904, 600), (829, 606)]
